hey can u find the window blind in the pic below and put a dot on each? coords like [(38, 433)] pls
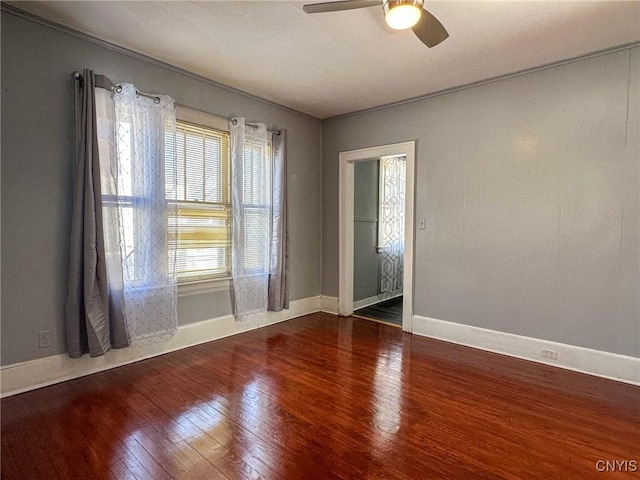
[(202, 191), (257, 206)]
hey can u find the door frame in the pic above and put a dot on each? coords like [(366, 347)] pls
[(347, 161)]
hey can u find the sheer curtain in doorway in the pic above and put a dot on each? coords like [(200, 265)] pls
[(391, 222)]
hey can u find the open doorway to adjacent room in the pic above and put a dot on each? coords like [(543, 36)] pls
[(376, 233), (378, 238)]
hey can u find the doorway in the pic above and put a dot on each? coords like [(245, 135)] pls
[(379, 202), (346, 224)]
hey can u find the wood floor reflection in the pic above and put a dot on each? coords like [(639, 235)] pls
[(322, 397)]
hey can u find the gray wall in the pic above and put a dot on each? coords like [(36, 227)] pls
[(530, 190), (366, 261), (529, 186), (37, 160)]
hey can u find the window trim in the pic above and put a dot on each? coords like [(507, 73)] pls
[(202, 119), (197, 287)]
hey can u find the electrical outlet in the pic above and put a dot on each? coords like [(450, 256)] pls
[(44, 339), (550, 354)]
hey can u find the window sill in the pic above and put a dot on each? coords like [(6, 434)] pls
[(199, 287)]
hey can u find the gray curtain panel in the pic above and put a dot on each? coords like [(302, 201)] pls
[(279, 270), (91, 325)]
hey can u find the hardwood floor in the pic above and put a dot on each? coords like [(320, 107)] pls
[(389, 311), (323, 398)]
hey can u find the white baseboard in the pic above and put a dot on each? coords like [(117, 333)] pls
[(25, 376), (21, 377), (329, 305), (585, 360), (365, 302)]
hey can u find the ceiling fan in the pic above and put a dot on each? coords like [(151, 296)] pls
[(399, 14)]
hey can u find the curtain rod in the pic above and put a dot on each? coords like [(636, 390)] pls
[(252, 125), (156, 99), (118, 88)]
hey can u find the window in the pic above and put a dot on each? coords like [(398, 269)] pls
[(256, 206), (135, 215), (203, 215)]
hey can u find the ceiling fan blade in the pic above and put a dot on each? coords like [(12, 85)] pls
[(338, 6), (429, 30)]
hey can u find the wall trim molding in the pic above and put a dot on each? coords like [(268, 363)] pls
[(381, 297), (505, 76), (608, 365), (18, 12), (329, 304), (22, 377)]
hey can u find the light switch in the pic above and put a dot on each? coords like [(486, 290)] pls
[(423, 224)]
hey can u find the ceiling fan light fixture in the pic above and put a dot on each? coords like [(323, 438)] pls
[(402, 14)]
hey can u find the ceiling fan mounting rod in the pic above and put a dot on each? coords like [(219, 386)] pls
[(390, 4)]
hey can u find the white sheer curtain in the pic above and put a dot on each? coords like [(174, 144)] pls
[(391, 222), (251, 203), (108, 154), (139, 199)]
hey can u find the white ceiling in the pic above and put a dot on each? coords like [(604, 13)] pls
[(335, 63)]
